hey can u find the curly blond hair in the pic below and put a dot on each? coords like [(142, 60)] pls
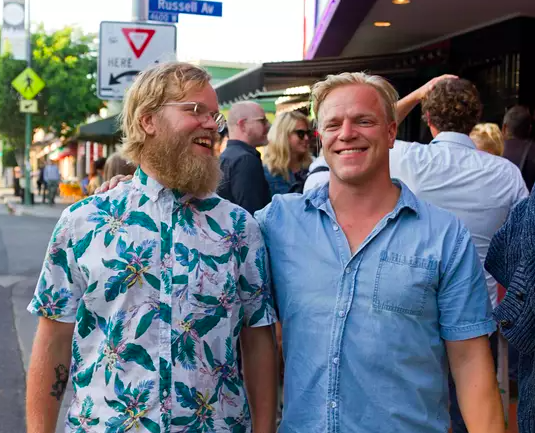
[(488, 137), (153, 87), (386, 91), (278, 152)]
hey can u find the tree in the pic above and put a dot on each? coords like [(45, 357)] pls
[(66, 61)]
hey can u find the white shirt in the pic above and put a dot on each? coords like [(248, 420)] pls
[(476, 186), (159, 285), (319, 178)]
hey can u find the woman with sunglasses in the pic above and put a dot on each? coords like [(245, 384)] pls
[(287, 156)]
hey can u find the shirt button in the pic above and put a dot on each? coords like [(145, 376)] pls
[(520, 296), (336, 228), (333, 404), (341, 313), (505, 324), (348, 270), (335, 361)]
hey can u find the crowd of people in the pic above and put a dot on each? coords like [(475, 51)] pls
[(377, 262)]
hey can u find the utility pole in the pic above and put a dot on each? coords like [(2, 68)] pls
[(27, 171), (140, 10)]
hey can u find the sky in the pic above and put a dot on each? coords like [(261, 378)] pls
[(250, 31)]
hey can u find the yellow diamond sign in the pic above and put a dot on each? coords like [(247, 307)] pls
[(28, 83)]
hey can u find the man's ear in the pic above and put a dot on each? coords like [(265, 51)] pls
[(148, 123), (392, 134)]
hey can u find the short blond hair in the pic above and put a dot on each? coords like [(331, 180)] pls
[(386, 91), (488, 137), (153, 87), (278, 153)]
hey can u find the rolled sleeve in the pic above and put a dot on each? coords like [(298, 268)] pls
[(254, 286), (58, 290), (464, 305)]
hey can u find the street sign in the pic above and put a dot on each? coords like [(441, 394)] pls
[(128, 48), (193, 7), (164, 17), (29, 106), (28, 83)]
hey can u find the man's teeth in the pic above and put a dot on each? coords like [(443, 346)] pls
[(344, 152), (206, 142)]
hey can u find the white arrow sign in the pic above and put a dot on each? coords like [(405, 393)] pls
[(128, 48)]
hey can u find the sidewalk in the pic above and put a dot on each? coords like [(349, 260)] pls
[(11, 205)]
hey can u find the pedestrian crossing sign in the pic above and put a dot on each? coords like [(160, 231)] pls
[(28, 83)]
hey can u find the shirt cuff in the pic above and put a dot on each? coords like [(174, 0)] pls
[(63, 319), (467, 332)]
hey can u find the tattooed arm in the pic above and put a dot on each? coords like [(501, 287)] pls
[(48, 374)]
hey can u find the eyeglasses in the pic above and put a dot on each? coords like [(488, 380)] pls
[(301, 133), (202, 112)]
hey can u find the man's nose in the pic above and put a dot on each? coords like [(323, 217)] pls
[(346, 131), (210, 123)]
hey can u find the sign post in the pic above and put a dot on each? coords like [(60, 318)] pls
[(28, 84), (128, 48)]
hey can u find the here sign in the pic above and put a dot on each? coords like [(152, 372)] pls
[(128, 48)]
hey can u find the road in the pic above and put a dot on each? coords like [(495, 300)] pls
[(23, 242)]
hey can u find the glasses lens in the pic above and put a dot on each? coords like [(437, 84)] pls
[(301, 133), (221, 121)]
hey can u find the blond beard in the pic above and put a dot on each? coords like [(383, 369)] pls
[(178, 167)]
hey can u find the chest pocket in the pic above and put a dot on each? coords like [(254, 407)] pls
[(404, 284)]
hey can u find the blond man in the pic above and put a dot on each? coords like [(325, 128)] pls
[(146, 289), (389, 291)]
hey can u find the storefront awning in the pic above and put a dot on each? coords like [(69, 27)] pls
[(106, 131), (269, 77)]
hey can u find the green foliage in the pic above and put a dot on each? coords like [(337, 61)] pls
[(66, 60)]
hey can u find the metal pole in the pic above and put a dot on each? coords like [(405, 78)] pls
[(140, 10), (27, 190)]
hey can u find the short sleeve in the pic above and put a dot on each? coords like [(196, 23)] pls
[(254, 285), (465, 309), (59, 288)]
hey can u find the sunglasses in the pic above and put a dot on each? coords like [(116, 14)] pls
[(302, 133)]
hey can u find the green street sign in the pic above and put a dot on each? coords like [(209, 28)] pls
[(28, 83)]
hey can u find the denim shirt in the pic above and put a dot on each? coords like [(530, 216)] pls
[(277, 183), (363, 334)]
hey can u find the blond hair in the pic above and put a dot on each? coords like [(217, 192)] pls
[(116, 164), (278, 153), (386, 91), (153, 87), (488, 137)]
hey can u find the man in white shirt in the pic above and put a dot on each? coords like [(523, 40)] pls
[(451, 173)]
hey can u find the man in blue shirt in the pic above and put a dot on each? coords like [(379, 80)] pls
[(377, 290)]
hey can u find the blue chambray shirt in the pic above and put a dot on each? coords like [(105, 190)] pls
[(363, 334)]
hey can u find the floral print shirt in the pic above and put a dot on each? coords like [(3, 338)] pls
[(158, 285)]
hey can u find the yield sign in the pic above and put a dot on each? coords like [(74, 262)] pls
[(138, 39)]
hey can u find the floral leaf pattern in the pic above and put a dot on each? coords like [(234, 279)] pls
[(158, 285)]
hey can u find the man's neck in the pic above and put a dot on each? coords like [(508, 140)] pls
[(242, 139), (368, 200), (359, 208)]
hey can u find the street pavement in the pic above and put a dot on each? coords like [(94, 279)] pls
[(23, 243)]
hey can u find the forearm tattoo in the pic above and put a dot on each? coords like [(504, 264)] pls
[(62, 377)]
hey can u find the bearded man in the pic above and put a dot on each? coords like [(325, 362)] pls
[(145, 289)]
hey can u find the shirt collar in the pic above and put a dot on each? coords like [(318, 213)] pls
[(154, 190), (455, 138), (319, 197), (243, 145)]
